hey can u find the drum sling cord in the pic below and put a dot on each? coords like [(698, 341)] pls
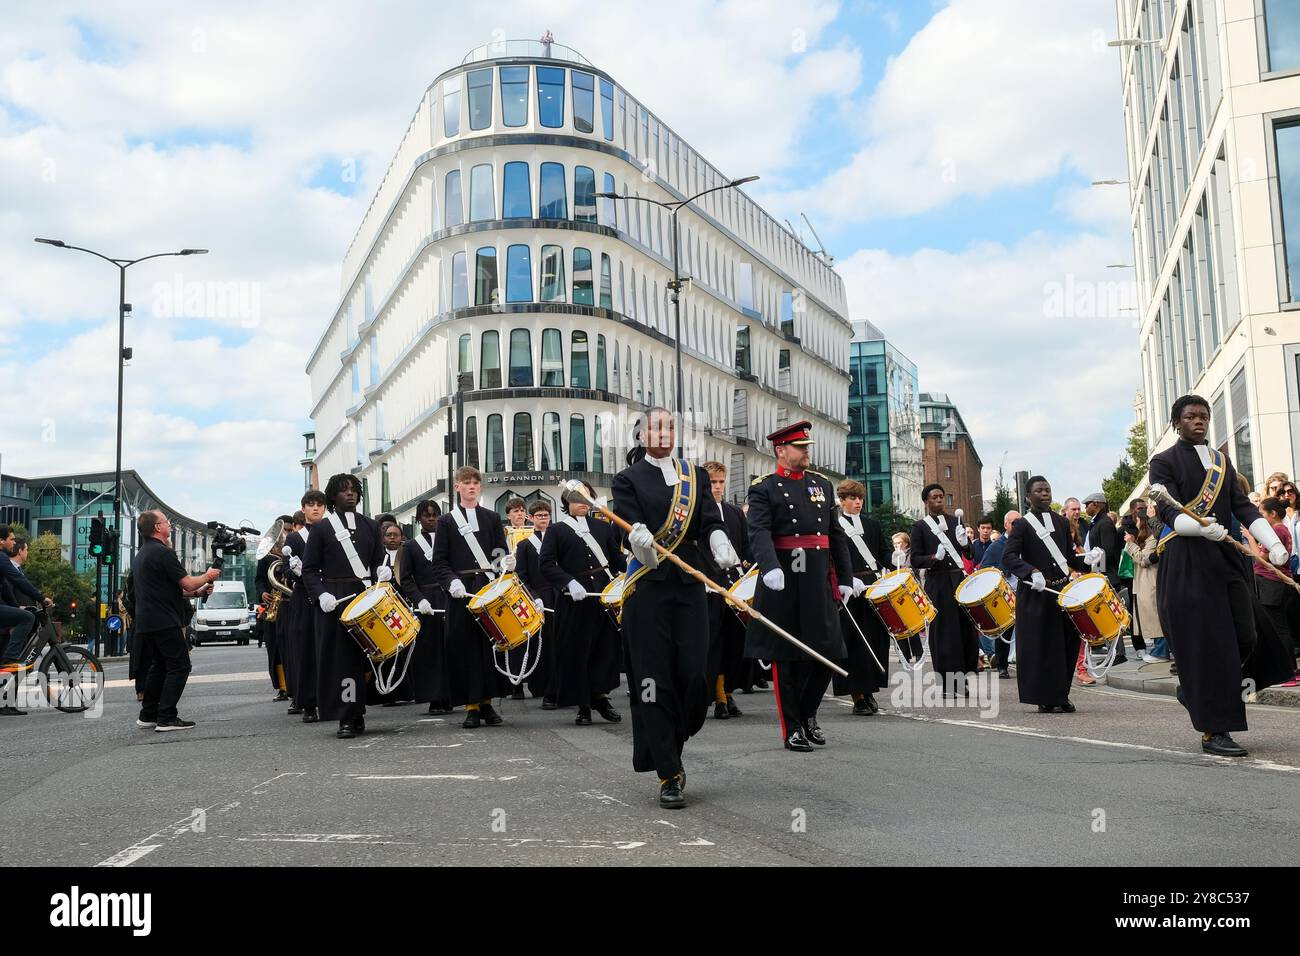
[(854, 535)]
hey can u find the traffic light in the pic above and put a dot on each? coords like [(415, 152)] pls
[(109, 547), (96, 537), (73, 606)]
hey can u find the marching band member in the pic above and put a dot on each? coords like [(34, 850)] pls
[(728, 666), (579, 557), (395, 561), (528, 564), (1040, 553), (867, 555), (804, 565), (467, 541), (303, 612), (939, 542), (428, 668), (343, 557), (665, 619), (516, 530), (286, 627), (274, 659), (1204, 593)]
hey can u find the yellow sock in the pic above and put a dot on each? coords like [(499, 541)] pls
[(487, 702), (857, 697), (720, 689), (471, 708)]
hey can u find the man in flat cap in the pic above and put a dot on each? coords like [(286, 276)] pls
[(804, 574), (1101, 548)]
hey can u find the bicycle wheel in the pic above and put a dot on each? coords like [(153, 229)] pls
[(75, 687)]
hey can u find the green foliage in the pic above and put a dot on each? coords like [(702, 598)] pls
[(1004, 500), (56, 579), (1131, 468), (891, 519)]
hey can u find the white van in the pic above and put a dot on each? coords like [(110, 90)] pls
[(224, 616)]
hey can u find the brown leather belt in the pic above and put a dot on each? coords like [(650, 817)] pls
[(788, 542)]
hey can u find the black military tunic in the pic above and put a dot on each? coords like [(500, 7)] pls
[(954, 642), (426, 680), (528, 565), (1047, 643), (342, 668), (1215, 623), (665, 622), (586, 647), (298, 631), (471, 672), (865, 676), (270, 630), (726, 631)]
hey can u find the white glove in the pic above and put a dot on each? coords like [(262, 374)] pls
[(1214, 531), (846, 592), (286, 551), (508, 563), (541, 608), (723, 553), (457, 588), (941, 553), (1278, 554), (774, 580), (383, 573), (641, 539), (858, 587), (577, 591), (327, 602), (1037, 581), (424, 607), (1094, 557), (962, 537), (295, 564)]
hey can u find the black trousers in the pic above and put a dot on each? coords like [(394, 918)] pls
[(800, 686), (1002, 649), (666, 643), (169, 669)]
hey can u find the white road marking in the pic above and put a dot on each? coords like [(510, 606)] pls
[(129, 855), (205, 679), (426, 776), (339, 838), (666, 823), (527, 842), (698, 841), (432, 746), (602, 797)]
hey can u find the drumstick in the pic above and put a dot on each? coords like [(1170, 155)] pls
[(844, 606), (1160, 491), (574, 488)]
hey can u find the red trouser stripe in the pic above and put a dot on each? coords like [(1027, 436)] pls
[(780, 714)]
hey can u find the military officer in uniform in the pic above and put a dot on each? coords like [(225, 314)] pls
[(804, 574)]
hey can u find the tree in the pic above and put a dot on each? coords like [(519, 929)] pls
[(1003, 501), (56, 579), (1131, 468), (892, 520)]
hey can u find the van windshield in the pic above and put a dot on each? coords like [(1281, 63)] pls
[(226, 599)]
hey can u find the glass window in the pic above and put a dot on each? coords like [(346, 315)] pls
[(579, 364), (608, 210), (552, 359), (597, 446), (514, 95), (607, 107), (631, 298), (553, 203), (550, 96), (496, 446), (650, 381), (486, 283), (1288, 176), (521, 358), (552, 458), (489, 362), (519, 274), (584, 194), (516, 193), (602, 379), (553, 274), (453, 204), (480, 99), (356, 382), (745, 285), (606, 283), (584, 101), (1243, 459), (374, 360), (481, 199), (521, 443), (582, 288), (464, 362), (459, 282), (471, 441), (742, 351), (577, 443), (1282, 24), (451, 106)]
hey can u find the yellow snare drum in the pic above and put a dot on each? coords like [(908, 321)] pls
[(517, 536), (901, 604), (506, 612), (744, 589), (611, 598), (988, 601), (379, 620), (1097, 612)]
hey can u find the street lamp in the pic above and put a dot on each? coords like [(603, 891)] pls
[(122, 266), (1133, 43), (1110, 182), (676, 285)]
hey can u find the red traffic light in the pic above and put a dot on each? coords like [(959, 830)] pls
[(73, 605)]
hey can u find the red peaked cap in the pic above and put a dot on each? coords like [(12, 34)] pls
[(796, 434)]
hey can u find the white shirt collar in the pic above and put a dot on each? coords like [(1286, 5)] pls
[(667, 467), (856, 521), (392, 555), (350, 520), (471, 516), (1203, 453)]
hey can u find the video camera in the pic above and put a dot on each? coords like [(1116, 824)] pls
[(227, 540)]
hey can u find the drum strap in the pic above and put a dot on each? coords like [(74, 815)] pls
[(425, 545), (471, 539), (855, 535), (536, 542), (344, 538), (1044, 532), (592, 544), (940, 528)]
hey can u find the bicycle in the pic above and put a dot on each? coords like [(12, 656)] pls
[(79, 679)]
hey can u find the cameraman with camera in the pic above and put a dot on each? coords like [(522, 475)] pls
[(162, 609)]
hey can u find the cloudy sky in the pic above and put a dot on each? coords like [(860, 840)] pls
[(943, 150)]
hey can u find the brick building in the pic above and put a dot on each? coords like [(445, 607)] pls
[(949, 455)]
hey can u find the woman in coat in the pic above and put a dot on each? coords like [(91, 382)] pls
[(1142, 549)]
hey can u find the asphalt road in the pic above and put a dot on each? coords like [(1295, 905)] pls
[(1120, 782)]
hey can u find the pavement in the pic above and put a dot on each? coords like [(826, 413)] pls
[(1120, 782), (1156, 678)]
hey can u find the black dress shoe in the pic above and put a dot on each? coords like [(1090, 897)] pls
[(860, 708), (9, 710), (517, 694), (490, 716), (1067, 708), (294, 710), (345, 731), (760, 684), (1222, 745), (471, 721), (813, 732), (438, 709), (309, 715), (584, 717), (872, 705), (797, 741), (732, 709), (720, 711), (279, 697), (747, 690), (1004, 674), (670, 794), (548, 703), (1119, 660), (1044, 708), (359, 725), (605, 707)]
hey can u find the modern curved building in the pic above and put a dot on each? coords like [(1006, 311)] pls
[(487, 258)]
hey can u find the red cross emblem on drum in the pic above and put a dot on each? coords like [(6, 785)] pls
[(523, 611), (394, 621)]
